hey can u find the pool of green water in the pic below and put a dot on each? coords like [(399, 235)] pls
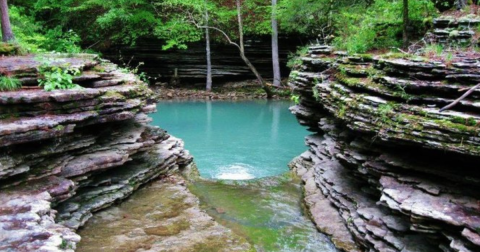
[(235, 140), (268, 212)]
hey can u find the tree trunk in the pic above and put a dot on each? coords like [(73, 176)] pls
[(275, 58), (461, 4), (242, 52), (7, 34), (405, 24), (209, 60)]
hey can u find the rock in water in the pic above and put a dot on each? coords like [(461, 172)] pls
[(163, 216)]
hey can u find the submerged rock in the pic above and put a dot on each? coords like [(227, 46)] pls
[(163, 216)]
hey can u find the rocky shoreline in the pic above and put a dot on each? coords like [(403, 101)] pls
[(67, 154), (385, 170), (231, 91)]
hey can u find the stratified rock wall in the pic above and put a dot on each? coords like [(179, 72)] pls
[(384, 163), (66, 154), (227, 65)]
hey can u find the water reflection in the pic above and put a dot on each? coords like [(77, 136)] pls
[(261, 135)]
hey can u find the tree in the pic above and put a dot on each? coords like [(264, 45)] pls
[(275, 58), (7, 34), (242, 52), (461, 4), (405, 23), (209, 60), (199, 23)]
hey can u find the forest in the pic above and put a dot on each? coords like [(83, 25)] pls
[(357, 26)]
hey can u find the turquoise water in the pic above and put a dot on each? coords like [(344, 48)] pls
[(245, 148), (235, 140)]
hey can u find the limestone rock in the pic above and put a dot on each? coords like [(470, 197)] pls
[(67, 154), (399, 175)]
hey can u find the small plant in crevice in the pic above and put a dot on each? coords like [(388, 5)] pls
[(54, 77), (402, 93), (295, 59), (433, 50), (136, 70), (295, 98), (316, 94), (9, 83), (384, 110), (449, 59), (342, 110)]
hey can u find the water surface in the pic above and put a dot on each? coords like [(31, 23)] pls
[(267, 212), (242, 150), (235, 140)]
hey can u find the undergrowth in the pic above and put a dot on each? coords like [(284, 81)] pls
[(9, 83)]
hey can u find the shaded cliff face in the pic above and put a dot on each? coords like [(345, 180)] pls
[(67, 154), (386, 169), (191, 63)]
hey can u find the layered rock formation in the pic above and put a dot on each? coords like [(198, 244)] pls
[(191, 63), (456, 31), (66, 154), (385, 170)]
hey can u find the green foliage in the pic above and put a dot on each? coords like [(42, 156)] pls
[(136, 70), (379, 26), (10, 49), (384, 111), (54, 76), (464, 121), (25, 28), (311, 17), (433, 50), (32, 36), (59, 41), (443, 5), (295, 98), (9, 83), (316, 94), (295, 59), (357, 26)]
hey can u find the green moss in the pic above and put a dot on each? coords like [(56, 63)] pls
[(464, 121), (395, 55), (341, 111), (59, 127), (364, 56), (471, 121), (9, 49), (113, 94), (453, 33)]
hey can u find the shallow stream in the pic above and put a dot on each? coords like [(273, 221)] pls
[(242, 150)]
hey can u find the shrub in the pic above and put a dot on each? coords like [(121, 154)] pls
[(53, 77), (9, 83), (295, 59), (31, 36), (379, 26)]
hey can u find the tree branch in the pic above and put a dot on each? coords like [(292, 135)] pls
[(461, 98), (213, 28), (222, 32)]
